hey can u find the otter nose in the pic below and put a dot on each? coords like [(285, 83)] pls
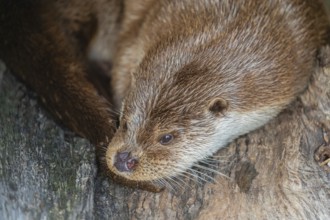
[(125, 162)]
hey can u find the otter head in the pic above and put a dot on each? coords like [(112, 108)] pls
[(157, 143), (167, 123), (183, 105)]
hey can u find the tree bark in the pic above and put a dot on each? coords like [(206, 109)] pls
[(280, 171)]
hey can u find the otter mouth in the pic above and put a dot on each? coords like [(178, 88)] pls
[(142, 168)]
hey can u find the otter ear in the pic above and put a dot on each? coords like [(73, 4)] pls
[(218, 106)]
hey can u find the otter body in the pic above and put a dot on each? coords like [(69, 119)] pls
[(194, 75), (187, 76)]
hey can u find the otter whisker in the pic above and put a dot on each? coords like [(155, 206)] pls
[(212, 170), (167, 180), (182, 176), (164, 182), (199, 175), (192, 176), (172, 184), (217, 160), (218, 156), (209, 164), (158, 181), (185, 174), (176, 183)]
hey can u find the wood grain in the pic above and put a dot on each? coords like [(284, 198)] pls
[(46, 172)]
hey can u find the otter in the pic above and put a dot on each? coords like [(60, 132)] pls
[(194, 75), (187, 77)]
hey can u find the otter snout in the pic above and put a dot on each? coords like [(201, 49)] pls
[(124, 162)]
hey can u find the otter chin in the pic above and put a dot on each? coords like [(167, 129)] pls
[(194, 75)]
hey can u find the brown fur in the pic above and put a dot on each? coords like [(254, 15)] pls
[(49, 44), (177, 57)]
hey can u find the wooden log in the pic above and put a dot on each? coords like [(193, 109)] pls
[(45, 173), (275, 172)]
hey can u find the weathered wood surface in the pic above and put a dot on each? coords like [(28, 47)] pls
[(43, 171), (47, 173)]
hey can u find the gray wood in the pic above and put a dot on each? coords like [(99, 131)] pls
[(44, 172), (47, 173)]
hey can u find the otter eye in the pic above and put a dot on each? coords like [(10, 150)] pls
[(166, 139)]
